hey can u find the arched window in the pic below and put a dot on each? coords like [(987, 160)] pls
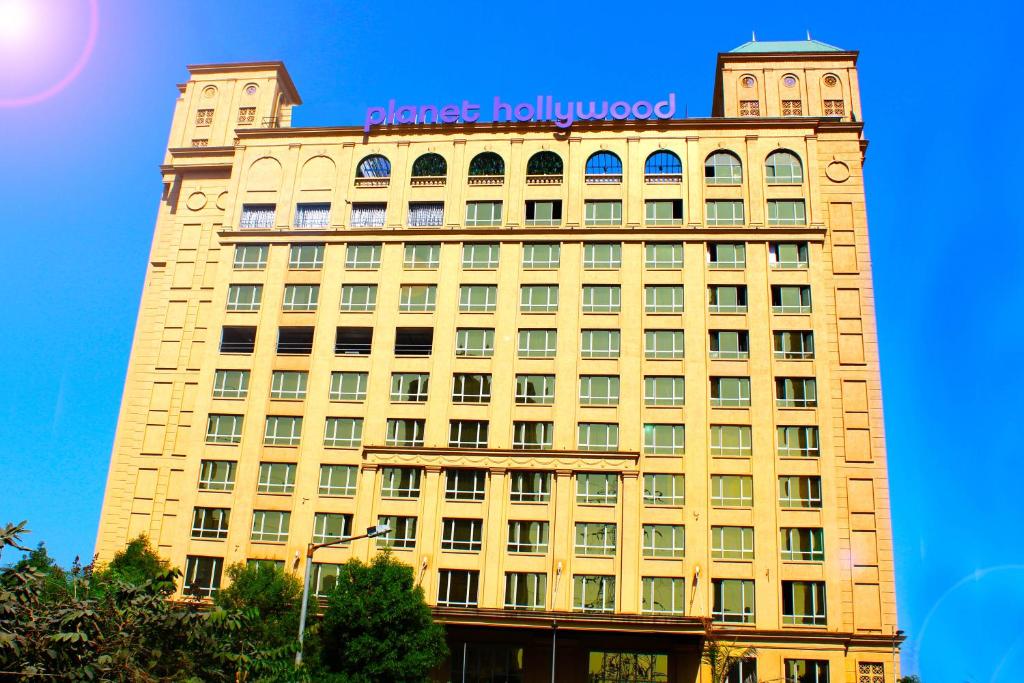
[(663, 163), (430, 165), (544, 163), (723, 168), (374, 166), (783, 168), (487, 163), (604, 163)]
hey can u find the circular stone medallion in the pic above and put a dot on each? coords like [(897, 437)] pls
[(837, 172), (196, 201), (222, 200)]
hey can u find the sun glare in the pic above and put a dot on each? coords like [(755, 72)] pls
[(17, 21)]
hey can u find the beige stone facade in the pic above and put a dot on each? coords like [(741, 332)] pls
[(709, 407)]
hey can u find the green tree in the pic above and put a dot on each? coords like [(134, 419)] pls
[(377, 626), (272, 592), (137, 563), (910, 679), (721, 657)]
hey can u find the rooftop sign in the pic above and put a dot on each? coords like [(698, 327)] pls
[(562, 114)]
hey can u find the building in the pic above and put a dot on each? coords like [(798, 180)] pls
[(622, 379)]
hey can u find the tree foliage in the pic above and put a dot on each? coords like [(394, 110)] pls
[(721, 657), (272, 592), (377, 625)]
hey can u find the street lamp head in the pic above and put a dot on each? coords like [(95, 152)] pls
[(378, 530)]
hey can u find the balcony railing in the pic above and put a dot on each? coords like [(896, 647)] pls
[(428, 181), (373, 182), (663, 178), (603, 178), (486, 180), (544, 180)]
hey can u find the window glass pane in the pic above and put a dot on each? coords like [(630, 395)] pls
[(476, 342), (537, 343), (251, 256), (664, 489), (664, 255), (348, 386), (480, 256), (422, 256), (541, 255), (363, 256), (602, 255), (306, 256)]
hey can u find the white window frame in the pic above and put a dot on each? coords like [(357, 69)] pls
[(547, 386), (745, 441), (463, 348), (272, 432), (449, 526), (321, 520), (338, 480), (605, 487), (599, 539), (677, 350), (338, 380), (417, 298), (455, 477), (207, 469), (413, 256), (676, 485), (363, 256), (678, 393), (677, 586), (518, 528), (265, 484), (417, 426), (469, 304), (246, 259), (538, 298), (677, 299), (244, 298), (476, 430), (270, 526), (402, 534), (364, 304), (238, 389), (611, 349), (278, 391), (553, 260), (299, 257), (471, 260), (216, 435), (591, 254), (542, 494), (400, 482), (718, 491), (343, 432), (550, 343), (654, 261), (719, 549), (301, 297), (590, 292)]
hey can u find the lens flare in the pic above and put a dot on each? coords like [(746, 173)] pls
[(25, 29)]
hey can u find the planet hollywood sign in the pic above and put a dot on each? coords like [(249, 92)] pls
[(545, 109)]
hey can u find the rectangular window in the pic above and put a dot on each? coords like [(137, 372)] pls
[(417, 298), (664, 489), (301, 297), (665, 439), (244, 297), (798, 442), (602, 255), (808, 670), (202, 576), (324, 578), (599, 390), (476, 342), (527, 537), (426, 214), (664, 391), (663, 299), (288, 385), (732, 490), (276, 477), (730, 392), (348, 386), (462, 484), (800, 492), (312, 215), (409, 387), (422, 256), (602, 298), (483, 214), (257, 216), (598, 436), (478, 298), (338, 480), (731, 440), (724, 212), (594, 538), (402, 534), (306, 256), (729, 344), (282, 430), (362, 256), (414, 341), (663, 212), (542, 255), (467, 433), (265, 565), (796, 345), (231, 384), (480, 256), (791, 299), (789, 255), (295, 340), (217, 475), (522, 591), (593, 593), (457, 588), (530, 486), (786, 212), (600, 343), (343, 432), (615, 667), (733, 601), (471, 388), (597, 488), (796, 392), (461, 534), (538, 298), (251, 256), (743, 671), (802, 544), (535, 389), (237, 339), (532, 435), (537, 343), (664, 344), (664, 595), (367, 215), (727, 298), (270, 526), (803, 603), (663, 255), (664, 540), (358, 298), (727, 255), (210, 523), (224, 429), (331, 527), (400, 482), (602, 213), (732, 542), (543, 212), (405, 433)]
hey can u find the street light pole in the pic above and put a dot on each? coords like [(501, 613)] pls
[(372, 531)]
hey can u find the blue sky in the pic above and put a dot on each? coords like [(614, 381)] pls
[(79, 188)]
